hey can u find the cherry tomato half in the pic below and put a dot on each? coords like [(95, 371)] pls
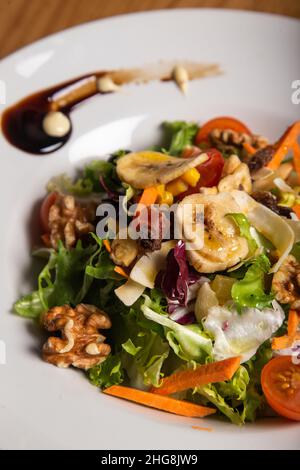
[(280, 381), (223, 122), (49, 200), (210, 171)]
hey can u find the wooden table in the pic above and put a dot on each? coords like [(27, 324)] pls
[(24, 21)]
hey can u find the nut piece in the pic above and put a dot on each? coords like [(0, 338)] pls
[(80, 344), (69, 221), (286, 283), (236, 175), (208, 191), (230, 165), (124, 251), (230, 137)]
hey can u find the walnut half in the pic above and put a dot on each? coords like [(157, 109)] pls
[(80, 344), (69, 220), (286, 283)]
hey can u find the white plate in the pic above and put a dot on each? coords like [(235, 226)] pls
[(40, 405)]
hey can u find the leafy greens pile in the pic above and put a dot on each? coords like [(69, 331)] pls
[(146, 344)]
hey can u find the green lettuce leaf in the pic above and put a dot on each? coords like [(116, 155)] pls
[(249, 291), (244, 226), (188, 342), (237, 398), (69, 277), (179, 134), (210, 393), (109, 373), (296, 251), (69, 274), (31, 306), (89, 181), (64, 184), (144, 359), (236, 388)]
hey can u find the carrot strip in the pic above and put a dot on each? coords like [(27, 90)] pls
[(287, 142), (201, 428), (293, 323), (147, 198), (107, 246), (202, 375), (171, 405), (296, 209), (296, 161), (121, 271), (249, 149), (282, 342), (286, 341)]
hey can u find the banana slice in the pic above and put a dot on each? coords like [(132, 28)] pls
[(222, 247), (144, 169)]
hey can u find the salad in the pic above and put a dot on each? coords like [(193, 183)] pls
[(172, 275)]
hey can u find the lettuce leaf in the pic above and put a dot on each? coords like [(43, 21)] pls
[(68, 277), (31, 306), (109, 373), (145, 358), (98, 176), (210, 393), (237, 398), (179, 134), (69, 267), (64, 184), (244, 226), (296, 251), (236, 388), (241, 335), (249, 291), (189, 342)]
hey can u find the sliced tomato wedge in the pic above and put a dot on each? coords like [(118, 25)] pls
[(280, 381), (223, 122), (49, 200), (210, 171)]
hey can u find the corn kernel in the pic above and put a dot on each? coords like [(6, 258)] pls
[(191, 177), (160, 189), (176, 187), (167, 198), (287, 199)]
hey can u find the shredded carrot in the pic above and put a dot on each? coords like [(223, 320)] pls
[(46, 240), (171, 405), (202, 375), (293, 322), (286, 341), (107, 246), (287, 142), (200, 428), (296, 209), (296, 160), (148, 197), (249, 149), (121, 271)]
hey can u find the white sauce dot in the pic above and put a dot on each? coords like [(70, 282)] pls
[(56, 124), (181, 77), (106, 85)]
